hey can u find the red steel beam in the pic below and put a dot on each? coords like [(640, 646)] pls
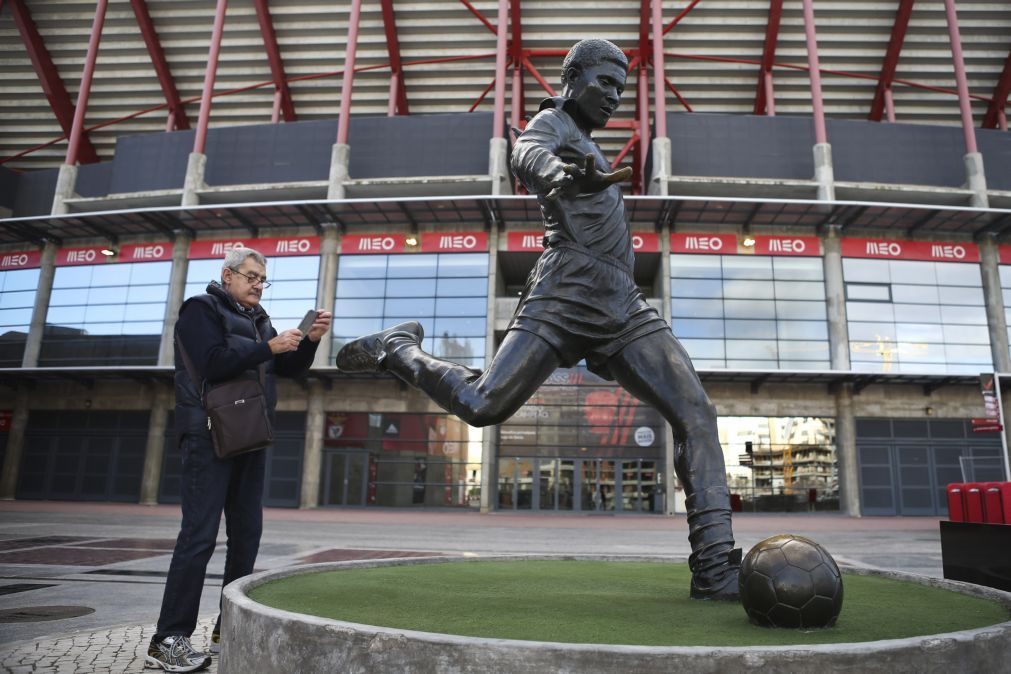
[(49, 78), (891, 59), (961, 80), (814, 70), (659, 98), (347, 82), (763, 101), (999, 100), (516, 56), (398, 92), (274, 58), (479, 15), (501, 65), (681, 15), (84, 91), (154, 50), (210, 73)]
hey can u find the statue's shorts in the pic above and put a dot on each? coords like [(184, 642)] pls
[(585, 305)]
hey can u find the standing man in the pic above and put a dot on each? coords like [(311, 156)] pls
[(227, 335), (581, 301)]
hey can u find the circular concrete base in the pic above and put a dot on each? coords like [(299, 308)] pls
[(257, 638)]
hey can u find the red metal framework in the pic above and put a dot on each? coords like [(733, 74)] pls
[(177, 118), (764, 99), (283, 104), (398, 91), (996, 116), (84, 91), (883, 93), (49, 78)]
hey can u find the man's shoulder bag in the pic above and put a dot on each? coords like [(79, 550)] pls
[(236, 411)]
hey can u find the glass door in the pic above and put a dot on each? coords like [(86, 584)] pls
[(345, 480)]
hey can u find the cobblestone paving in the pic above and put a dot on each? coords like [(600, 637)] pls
[(111, 651)]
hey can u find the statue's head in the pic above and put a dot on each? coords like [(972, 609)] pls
[(593, 75)]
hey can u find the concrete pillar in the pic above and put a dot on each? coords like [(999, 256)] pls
[(327, 288), (669, 478), (66, 182), (662, 168), (15, 445), (975, 180), (835, 300), (846, 452), (489, 435), (498, 166), (176, 295), (993, 296), (196, 165), (47, 272), (823, 173), (312, 458), (340, 161), (154, 451)]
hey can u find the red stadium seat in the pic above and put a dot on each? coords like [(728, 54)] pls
[(956, 502), (1005, 499), (993, 511), (973, 502)]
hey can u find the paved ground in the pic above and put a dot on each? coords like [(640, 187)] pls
[(109, 561)]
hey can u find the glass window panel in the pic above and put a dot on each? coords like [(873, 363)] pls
[(747, 267), (804, 350), (111, 275), (1005, 275), (966, 334), (697, 308), (800, 310), (420, 306), (755, 329), (462, 287), (920, 352), (704, 348), (865, 271), (868, 291), (66, 297), (203, 271), (962, 353), (749, 308), (871, 331), (802, 329), (458, 347), (958, 274), (461, 306), (960, 295), (869, 311), (964, 315), (462, 327), (193, 289), (412, 266), (151, 273), (917, 313), (72, 277), (65, 315), (154, 311), (805, 364), (737, 364), (414, 287), (696, 287), (915, 272), (356, 308), (361, 266), (303, 267), (142, 328), (925, 332), (288, 289), (15, 317), (798, 268), (698, 327), (705, 363), (695, 266), (99, 295), (464, 264), (914, 294), (20, 279), (356, 327), (104, 313), (371, 288), (752, 348), (157, 293), (752, 290), (800, 290)]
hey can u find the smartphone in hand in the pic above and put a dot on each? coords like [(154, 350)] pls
[(307, 321)]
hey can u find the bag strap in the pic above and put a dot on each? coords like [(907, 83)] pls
[(198, 383), (192, 371)]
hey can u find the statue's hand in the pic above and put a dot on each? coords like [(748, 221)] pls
[(586, 179)]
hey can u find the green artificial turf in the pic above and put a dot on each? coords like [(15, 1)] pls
[(604, 603)]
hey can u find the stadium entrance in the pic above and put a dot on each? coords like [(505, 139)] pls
[(604, 485)]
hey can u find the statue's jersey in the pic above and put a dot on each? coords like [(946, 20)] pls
[(581, 296)]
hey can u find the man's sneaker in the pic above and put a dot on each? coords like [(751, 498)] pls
[(216, 640), (367, 353), (175, 654)]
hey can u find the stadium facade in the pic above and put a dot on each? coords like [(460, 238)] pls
[(820, 205)]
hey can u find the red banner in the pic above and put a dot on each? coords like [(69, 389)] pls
[(806, 246), (642, 242), (1005, 254), (372, 244), (646, 242), (938, 251), (706, 244), (20, 259), (128, 252), (454, 242), (270, 247)]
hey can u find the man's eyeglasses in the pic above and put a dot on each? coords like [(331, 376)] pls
[(253, 279)]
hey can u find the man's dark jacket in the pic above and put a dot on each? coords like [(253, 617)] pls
[(226, 341)]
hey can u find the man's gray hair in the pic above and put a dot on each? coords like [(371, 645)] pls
[(593, 51), (236, 256)]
